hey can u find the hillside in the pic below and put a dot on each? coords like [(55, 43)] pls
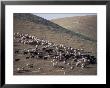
[(26, 23), (53, 26), (84, 25), (44, 29)]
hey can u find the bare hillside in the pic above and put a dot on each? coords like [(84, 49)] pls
[(85, 25)]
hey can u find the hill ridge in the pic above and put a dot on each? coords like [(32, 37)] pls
[(53, 26)]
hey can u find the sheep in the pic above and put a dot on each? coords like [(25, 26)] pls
[(20, 70), (54, 64), (17, 59), (27, 57), (25, 52), (30, 65), (72, 67), (44, 49), (16, 51), (82, 62)]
